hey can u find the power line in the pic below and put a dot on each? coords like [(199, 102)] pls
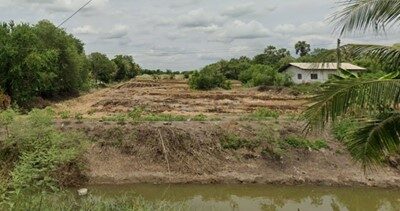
[(87, 3)]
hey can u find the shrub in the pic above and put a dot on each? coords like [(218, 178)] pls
[(208, 78), (263, 75), (343, 128), (36, 150)]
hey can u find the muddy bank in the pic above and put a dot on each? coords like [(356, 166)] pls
[(219, 152)]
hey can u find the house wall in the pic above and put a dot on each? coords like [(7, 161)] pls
[(323, 75)]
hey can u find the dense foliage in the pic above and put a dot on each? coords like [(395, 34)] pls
[(264, 75), (44, 61), (33, 152), (375, 100), (208, 78), (40, 60)]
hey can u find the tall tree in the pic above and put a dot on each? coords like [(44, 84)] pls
[(302, 48), (39, 61), (126, 67), (378, 99), (271, 56), (103, 68)]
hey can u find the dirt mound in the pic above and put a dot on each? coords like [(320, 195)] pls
[(174, 148)]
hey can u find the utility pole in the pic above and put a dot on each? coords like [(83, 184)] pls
[(338, 54)]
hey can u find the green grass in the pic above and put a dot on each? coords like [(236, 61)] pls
[(343, 129), (302, 143), (65, 114), (119, 118), (200, 118), (163, 117), (309, 88), (261, 114), (235, 142), (138, 115), (66, 201)]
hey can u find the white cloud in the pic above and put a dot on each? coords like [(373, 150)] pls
[(118, 31), (65, 5), (240, 10), (86, 29), (242, 30), (198, 18), (285, 28)]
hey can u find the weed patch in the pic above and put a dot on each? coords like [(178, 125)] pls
[(302, 143), (262, 114)]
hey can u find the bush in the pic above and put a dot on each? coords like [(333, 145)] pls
[(40, 61), (35, 151), (207, 79), (263, 75), (343, 128)]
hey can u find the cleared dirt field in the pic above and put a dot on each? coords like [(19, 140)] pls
[(224, 149), (175, 97)]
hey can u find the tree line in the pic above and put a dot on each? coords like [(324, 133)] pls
[(264, 68), (43, 61)]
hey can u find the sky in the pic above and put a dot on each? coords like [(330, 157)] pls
[(189, 34)]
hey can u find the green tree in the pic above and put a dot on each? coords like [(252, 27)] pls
[(302, 48), (271, 56), (126, 67), (375, 101), (208, 78), (40, 61), (103, 68), (258, 75)]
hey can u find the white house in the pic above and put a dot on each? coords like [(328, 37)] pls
[(316, 72)]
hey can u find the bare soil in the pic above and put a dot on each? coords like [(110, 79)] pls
[(191, 152), (174, 96)]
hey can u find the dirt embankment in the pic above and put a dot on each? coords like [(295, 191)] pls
[(193, 152)]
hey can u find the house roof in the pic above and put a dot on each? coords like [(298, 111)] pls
[(324, 66)]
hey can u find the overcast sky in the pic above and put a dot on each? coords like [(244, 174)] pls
[(188, 34)]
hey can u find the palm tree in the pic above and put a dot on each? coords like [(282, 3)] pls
[(378, 100)]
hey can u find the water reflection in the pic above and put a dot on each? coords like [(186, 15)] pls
[(261, 197)]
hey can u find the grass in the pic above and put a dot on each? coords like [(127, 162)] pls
[(261, 114), (302, 143), (343, 129), (65, 114), (138, 114), (308, 88), (66, 201), (235, 142), (164, 117)]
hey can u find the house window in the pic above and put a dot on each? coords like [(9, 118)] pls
[(299, 76), (314, 76)]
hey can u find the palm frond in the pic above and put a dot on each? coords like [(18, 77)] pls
[(340, 96), (387, 54), (375, 139), (366, 14)]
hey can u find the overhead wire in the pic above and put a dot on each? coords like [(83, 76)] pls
[(76, 12)]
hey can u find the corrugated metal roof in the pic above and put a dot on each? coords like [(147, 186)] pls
[(326, 66)]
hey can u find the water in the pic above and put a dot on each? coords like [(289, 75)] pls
[(260, 197)]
